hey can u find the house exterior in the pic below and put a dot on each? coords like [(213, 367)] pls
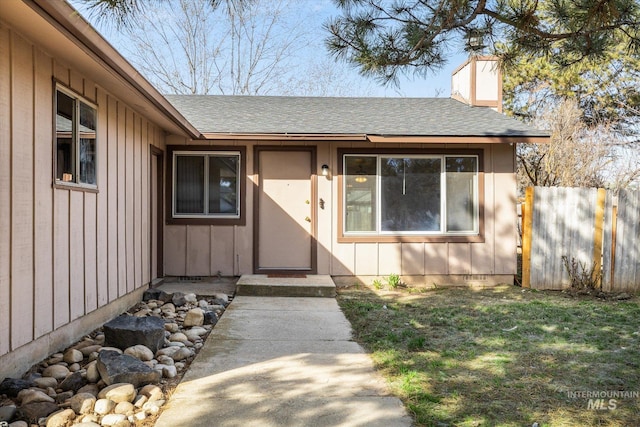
[(424, 188), (106, 185)]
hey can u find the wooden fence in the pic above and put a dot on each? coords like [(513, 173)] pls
[(592, 228)]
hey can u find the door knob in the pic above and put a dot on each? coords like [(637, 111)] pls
[(306, 218)]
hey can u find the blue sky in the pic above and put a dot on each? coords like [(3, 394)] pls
[(317, 12)]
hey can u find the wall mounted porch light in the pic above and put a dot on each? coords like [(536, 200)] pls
[(325, 170)]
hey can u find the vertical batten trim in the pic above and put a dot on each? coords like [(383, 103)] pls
[(10, 188), (186, 245), (53, 208), (107, 189), (140, 205), (126, 206), (491, 158), (68, 260), (96, 228), (84, 250), (134, 224), (33, 192), (117, 189)]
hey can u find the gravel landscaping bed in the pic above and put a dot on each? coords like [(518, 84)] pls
[(119, 375)]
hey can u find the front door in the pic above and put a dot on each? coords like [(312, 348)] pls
[(284, 232)]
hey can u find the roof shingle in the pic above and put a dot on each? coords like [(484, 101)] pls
[(359, 116)]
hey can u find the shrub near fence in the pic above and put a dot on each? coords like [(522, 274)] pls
[(591, 229)]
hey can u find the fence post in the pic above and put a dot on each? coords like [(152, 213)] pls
[(614, 231), (527, 221), (597, 238)]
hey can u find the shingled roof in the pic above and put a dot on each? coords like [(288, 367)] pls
[(222, 114)]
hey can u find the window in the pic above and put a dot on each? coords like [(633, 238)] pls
[(206, 184), (75, 140), (391, 194)]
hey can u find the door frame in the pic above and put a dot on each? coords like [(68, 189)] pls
[(313, 180), (157, 155)]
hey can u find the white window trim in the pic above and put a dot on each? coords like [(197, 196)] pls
[(206, 154), (443, 199), (75, 136)]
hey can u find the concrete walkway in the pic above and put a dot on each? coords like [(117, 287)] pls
[(282, 361)]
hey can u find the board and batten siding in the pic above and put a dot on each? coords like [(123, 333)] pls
[(65, 253), (205, 250)]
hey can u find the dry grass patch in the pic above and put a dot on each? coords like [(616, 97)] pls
[(503, 356)]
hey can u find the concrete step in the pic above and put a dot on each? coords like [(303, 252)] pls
[(262, 285)]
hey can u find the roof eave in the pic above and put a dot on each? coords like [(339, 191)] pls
[(283, 136), (404, 139), (63, 15), (459, 139)]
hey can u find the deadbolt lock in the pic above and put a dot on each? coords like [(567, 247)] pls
[(307, 202)]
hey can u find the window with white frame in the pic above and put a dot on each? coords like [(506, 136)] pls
[(206, 184), (75, 155), (410, 194)]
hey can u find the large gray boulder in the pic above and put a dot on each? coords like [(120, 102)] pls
[(121, 368), (126, 331)]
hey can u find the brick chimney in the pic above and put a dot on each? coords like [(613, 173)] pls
[(478, 82)]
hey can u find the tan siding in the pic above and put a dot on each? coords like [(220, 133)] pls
[(129, 200), (43, 172), (390, 258), (5, 193), (505, 210), (155, 217), (110, 153), (184, 253), (145, 200), (76, 253), (61, 73), (121, 201), (137, 201), (102, 208), (435, 258), (459, 257), (325, 192), (243, 236), (60, 258), (76, 82), (243, 245), (482, 254), (198, 243), (90, 239), (175, 250), (90, 90), (22, 193), (222, 250), (87, 245), (65, 253), (343, 260), (413, 258), (366, 258)]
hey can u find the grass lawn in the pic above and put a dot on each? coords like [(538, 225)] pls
[(503, 356)]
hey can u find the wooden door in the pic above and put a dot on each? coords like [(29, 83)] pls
[(284, 235)]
